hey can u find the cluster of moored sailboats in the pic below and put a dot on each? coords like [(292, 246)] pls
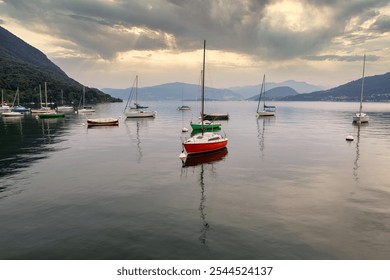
[(204, 139)]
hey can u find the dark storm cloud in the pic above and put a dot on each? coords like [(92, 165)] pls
[(381, 25), (105, 28)]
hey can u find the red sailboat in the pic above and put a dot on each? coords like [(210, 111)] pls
[(204, 142)]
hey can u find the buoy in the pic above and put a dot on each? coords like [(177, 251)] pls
[(182, 156), (349, 138), (184, 129)]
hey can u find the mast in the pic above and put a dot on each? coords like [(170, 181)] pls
[(83, 97), (136, 90), (2, 97), (40, 96), (261, 92), (361, 93), (203, 75), (45, 95)]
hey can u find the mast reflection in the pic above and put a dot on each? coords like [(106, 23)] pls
[(202, 161)]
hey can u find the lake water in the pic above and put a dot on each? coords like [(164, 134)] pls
[(288, 187)]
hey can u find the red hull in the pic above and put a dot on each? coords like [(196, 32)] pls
[(197, 148)]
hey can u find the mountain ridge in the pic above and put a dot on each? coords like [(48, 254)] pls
[(25, 67)]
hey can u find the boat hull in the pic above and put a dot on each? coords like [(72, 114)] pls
[(12, 114), (363, 118), (21, 110), (65, 109), (103, 122), (199, 148), (205, 143), (85, 111), (140, 114), (213, 117), (184, 108), (265, 114)]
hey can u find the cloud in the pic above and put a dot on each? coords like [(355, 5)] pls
[(381, 24), (349, 58), (267, 30)]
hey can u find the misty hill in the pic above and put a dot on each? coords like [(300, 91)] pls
[(299, 87), (376, 88), (23, 66), (277, 93), (175, 91)]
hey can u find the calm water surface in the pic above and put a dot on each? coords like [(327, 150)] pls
[(288, 187)]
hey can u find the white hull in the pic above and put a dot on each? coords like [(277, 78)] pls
[(85, 111), (65, 109), (140, 114), (360, 118), (4, 108), (42, 111), (102, 121), (12, 114), (265, 114)]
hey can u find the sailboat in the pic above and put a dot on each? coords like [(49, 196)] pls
[(3, 107), (361, 117), (137, 111), (183, 107), (19, 108), (48, 114), (43, 109), (64, 108), (204, 142), (267, 111), (85, 109)]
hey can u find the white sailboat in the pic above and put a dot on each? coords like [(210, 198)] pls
[(267, 111), (137, 111), (64, 108), (85, 109), (361, 117), (43, 109), (3, 107)]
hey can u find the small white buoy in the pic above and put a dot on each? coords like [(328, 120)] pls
[(182, 156), (349, 138), (184, 129), (83, 123)]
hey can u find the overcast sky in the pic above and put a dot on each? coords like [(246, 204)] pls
[(105, 43)]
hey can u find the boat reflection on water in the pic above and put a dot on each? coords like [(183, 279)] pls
[(203, 160), (356, 161), (206, 158), (139, 124)]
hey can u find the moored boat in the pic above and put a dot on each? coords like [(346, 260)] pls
[(361, 117), (267, 111), (103, 122), (85, 109), (204, 142), (216, 116), (51, 115), (12, 114), (136, 111)]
